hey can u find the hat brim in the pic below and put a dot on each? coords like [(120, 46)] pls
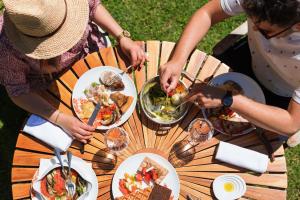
[(69, 33)]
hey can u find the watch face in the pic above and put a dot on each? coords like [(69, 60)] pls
[(126, 33), (227, 99)]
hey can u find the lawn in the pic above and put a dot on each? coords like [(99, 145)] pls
[(146, 20)]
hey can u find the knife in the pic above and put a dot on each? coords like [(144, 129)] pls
[(91, 122), (263, 138)]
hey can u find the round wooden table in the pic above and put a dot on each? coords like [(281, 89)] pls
[(196, 175)]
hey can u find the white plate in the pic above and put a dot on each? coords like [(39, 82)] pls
[(83, 168), (93, 75), (239, 187), (250, 87), (130, 166)]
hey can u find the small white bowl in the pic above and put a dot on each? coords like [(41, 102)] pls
[(238, 184)]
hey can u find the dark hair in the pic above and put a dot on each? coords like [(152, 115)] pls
[(280, 12)]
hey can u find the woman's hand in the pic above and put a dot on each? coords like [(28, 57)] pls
[(75, 127), (134, 51), (206, 96), (169, 74)]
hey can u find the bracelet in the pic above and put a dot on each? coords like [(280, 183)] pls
[(55, 121)]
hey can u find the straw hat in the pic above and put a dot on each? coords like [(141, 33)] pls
[(44, 29)]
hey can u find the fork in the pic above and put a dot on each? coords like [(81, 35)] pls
[(70, 185), (118, 75)]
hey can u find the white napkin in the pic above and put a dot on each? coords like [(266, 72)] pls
[(84, 170), (48, 133), (242, 157)]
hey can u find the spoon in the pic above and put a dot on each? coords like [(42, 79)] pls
[(172, 111)]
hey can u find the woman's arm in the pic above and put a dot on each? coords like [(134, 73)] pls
[(34, 103), (199, 24), (131, 49)]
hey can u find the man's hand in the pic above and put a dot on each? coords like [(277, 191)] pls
[(134, 51), (75, 127), (206, 96), (169, 74)]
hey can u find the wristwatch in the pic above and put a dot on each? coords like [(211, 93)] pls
[(227, 100), (124, 33)]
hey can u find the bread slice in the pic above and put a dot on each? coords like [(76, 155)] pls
[(119, 98), (125, 107)]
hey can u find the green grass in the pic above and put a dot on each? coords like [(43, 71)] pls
[(146, 20)]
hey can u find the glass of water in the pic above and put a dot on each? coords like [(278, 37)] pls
[(200, 130), (116, 139)]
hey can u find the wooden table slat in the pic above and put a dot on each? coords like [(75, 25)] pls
[(208, 69), (185, 190), (194, 65), (69, 79), (223, 68), (108, 56), (80, 67), (166, 51), (93, 60), (153, 49), (21, 190), (57, 89)]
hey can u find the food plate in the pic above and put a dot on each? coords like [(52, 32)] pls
[(250, 87), (92, 76), (225, 120), (83, 168), (131, 165), (229, 187)]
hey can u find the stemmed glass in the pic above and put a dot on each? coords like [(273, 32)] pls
[(116, 139)]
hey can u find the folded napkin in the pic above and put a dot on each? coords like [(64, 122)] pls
[(242, 157), (83, 168), (47, 132)]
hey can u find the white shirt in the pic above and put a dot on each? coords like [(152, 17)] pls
[(275, 62)]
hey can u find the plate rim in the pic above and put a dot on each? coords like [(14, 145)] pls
[(145, 154), (134, 96), (244, 77), (235, 176)]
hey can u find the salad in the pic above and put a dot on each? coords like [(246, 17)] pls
[(53, 185), (107, 93), (161, 105)]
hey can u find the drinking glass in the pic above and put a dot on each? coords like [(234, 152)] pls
[(116, 139), (200, 130)]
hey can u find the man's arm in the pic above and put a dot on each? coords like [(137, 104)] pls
[(286, 122), (199, 24)]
